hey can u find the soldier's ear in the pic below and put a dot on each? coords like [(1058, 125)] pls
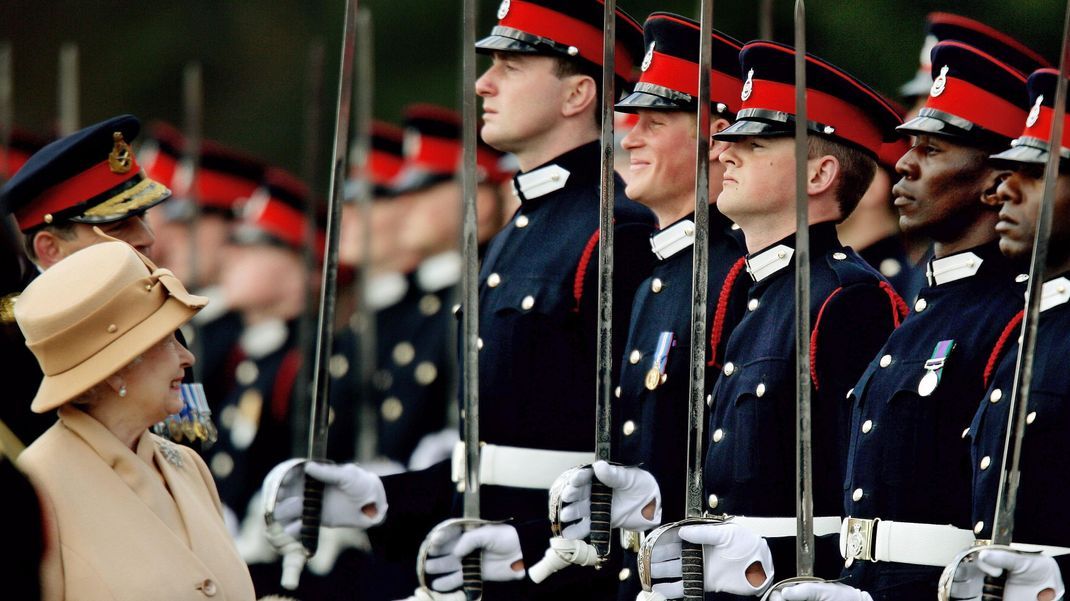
[(990, 195), (48, 248), (580, 94), (824, 171)]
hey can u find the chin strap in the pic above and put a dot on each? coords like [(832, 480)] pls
[(562, 553)]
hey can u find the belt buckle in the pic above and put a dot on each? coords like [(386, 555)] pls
[(860, 535), (631, 540)]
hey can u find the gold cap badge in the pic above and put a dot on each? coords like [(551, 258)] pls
[(121, 159)]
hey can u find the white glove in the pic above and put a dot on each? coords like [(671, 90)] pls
[(1027, 575), (649, 596), (353, 497), (968, 582), (433, 448), (820, 591), (633, 489), (422, 594), (500, 545), (727, 549)]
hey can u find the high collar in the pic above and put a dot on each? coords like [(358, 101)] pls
[(1054, 293), (440, 271), (681, 233), (386, 290), (261, 339), (965, 264), (217, 306), (775, 257), (575, 165)]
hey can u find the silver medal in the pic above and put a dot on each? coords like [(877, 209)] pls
[(928, 383)]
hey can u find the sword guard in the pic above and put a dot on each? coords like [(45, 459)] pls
[(788, 582), (646, 549), (993, 587), (471, 565)]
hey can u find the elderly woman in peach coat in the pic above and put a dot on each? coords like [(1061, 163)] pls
[(132, 516)]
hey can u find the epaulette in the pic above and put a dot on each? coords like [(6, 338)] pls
[(7, 308)]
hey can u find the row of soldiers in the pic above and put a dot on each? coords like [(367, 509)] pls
[(889, 454), (909, 398)]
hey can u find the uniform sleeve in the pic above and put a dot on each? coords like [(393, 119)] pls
[(852, 326), (632, 263), (418, 501)]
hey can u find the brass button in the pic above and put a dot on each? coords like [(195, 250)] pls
[(404, 353), (850, 392), (493, 280), (966, 432), (656, 285), (760, 390), (729, 369), (713, 501), (890, 268), (479, 344), (920, 305), (752, 304), (430, 304), (624, 574), (246, 372), (208, 587), (391, 409), (1032, 417), (985, 462), (222, 464), (857, 495), (718, 435), (709, 399), (634, 357), (522, 221), (426, 372), (996, 395), (629, 428), (867, 426), (839, 256), (886, 360), (338, 366), (978, 527), (616, 392), (527, 303)]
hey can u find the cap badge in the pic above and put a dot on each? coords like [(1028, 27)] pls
[(940, 83), (503, 9), (748, 86), (120, 159), (410, 144), (649, 58), (1034, 113)]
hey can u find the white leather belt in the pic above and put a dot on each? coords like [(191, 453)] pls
[(781, 527), (902, 542), (518, 467)]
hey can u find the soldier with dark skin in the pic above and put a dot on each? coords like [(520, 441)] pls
[(907, 477), (538, 303)]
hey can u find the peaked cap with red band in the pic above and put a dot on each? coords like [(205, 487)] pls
[(275, 214), (90, 176), (839, 106), (569, 28), (21, 147), (669, 78), (940, 27), (386, 159), (1032, 145), (975, 99), (225, 179), (433, 149)]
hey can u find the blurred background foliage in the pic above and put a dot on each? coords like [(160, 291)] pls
[(255, 54)]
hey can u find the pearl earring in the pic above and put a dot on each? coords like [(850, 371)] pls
[(122, 390)]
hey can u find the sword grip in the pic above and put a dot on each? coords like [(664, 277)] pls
[(693, 571), (472, 573), (993, 588), (601, 511), (310, 514)]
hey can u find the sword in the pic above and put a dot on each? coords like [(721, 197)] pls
[(68, 89), (367, 417), (1010, 474), (317, 444), (691, 553), (312, 117), (602, 495), (471, 565), (193, 124), (765, 20), (7, 112)]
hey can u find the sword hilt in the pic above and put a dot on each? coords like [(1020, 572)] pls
[(601, 512), (472, 573), (311, 510), (993, 587), (693, 569)]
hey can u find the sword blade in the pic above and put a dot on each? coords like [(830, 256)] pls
[(7, 111), (601, 495), (1007, 498), (69, 101), (804, 545)]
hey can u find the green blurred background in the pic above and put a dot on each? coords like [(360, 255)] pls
[(255, 54)]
